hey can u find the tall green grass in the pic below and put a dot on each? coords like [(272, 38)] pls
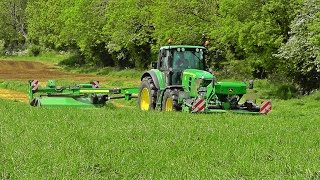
[(45, 56), (20, 86), (109, 143), (108, 71)]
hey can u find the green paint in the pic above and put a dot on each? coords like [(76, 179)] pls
[(65, 101), (80, 95), (191, 80), (230, 88), (160, 77)]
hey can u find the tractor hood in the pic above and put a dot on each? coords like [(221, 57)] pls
[(191, 80), (196, 73)]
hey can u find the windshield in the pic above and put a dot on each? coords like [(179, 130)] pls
[(188, 59)]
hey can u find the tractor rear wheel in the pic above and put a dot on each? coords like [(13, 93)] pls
[(147, 94), (170, 100)]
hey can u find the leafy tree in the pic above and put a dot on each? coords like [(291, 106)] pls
[(128, 32), (299, 57), (73, 25), (137, 28), (186, 21), (13, 26), (83, 24), (253, 31), (44, 25)]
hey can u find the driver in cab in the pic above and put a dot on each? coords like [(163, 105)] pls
[(179, 61)]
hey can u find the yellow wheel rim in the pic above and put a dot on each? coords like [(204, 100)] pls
[(169, 104), (144, 99)]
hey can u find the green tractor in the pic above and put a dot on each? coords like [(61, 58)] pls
[(179, 81)]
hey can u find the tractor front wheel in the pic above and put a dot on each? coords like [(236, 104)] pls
[(170, 100), (147, 94)]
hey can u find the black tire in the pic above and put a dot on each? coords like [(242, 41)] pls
[(148, 83), (173, 95)]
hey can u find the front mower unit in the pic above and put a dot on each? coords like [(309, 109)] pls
[(224, 97), (80, 95)]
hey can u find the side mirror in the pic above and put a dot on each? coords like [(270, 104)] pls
[(251, 84), (154, 65)]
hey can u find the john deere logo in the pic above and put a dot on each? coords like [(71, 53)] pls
[(230, 90)]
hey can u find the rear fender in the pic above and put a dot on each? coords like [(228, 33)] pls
[(157, 77)]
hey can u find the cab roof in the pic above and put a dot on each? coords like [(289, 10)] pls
[(181, 46)]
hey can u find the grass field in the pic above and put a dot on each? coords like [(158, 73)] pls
[(126, 143)]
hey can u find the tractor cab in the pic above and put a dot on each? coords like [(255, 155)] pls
[(173, 60)]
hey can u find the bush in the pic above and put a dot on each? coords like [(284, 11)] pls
[(34, 50), (286, 91), (270, 89), (73, 61), (236, 69), (2, 50), (125, 73), (299, 57)]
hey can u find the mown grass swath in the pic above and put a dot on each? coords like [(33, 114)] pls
[(106, 143)]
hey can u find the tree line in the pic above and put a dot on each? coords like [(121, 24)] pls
[(260, 38)]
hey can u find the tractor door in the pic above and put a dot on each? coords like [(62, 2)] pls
[(165, 64), (179, 65)]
